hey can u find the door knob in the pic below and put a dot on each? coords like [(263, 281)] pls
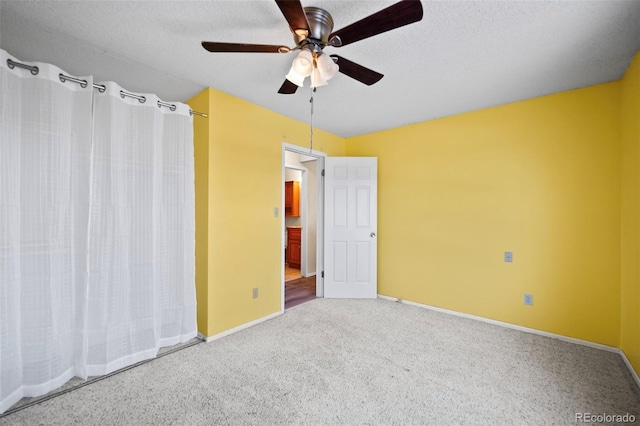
[(373, 234)]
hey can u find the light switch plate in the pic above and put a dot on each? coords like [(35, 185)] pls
[(508, 256)]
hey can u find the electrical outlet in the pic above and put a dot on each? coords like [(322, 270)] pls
[(508, 256), (255, 293), (275, 212), (528, 299)]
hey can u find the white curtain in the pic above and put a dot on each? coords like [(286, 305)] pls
[(142, 230), (96, 230)]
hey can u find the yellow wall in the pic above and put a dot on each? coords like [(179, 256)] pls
[(200, 103), (630, 284), (540, 178), (244, 186)]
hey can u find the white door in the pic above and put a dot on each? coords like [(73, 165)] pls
[(350, 249)]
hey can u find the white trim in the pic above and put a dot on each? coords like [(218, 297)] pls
[(630, 367), (320, 229), (320, 156), (239, 328), (507, 325), (283, 241), (302, 150)]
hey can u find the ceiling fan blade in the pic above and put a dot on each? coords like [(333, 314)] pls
[(357, 71), (294, 14), (288, 88), (395, 16), (213, 46)]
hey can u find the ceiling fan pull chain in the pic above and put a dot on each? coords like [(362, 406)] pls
[(313, 89)]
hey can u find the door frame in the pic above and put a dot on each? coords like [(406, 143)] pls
[(320, 156)]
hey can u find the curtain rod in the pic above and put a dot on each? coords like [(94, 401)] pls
[(101, 88)]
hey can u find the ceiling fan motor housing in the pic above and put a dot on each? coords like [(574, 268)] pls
[(320, 27)]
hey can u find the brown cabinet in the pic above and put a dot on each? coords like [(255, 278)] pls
[(292, 198), (294, 246)]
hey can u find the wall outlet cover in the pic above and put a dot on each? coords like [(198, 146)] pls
[(528, 299), (255, 293), (508, 256)]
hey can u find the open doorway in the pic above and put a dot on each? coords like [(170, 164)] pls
[(302, 225), (295, 210)]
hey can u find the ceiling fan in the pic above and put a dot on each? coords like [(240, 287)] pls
[(312, 30)]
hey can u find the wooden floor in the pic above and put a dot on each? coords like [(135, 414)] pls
[(299, 291), (291, 273)]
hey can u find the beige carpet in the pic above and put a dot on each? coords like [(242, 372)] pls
[(357, 362)]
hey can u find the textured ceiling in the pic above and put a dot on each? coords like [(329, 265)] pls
[(462, 56)]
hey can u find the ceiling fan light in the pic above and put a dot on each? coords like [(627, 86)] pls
[(303, 63), (327, 67), (317, 79), (295, 78)]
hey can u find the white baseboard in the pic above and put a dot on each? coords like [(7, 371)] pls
[(239, 328), (507, 325), (525, 329), (310, 274), (630, 367)]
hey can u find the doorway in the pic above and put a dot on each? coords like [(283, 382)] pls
[(302, 279)]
